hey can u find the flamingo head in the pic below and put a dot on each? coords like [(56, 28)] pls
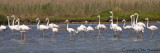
[(136, 14), (17, 20), (37, 19), (98, 16), (123, 20), (131, 16), (66, 21), (46, 19), (146, 19), (13, 16), (7, 16), (110, 12)]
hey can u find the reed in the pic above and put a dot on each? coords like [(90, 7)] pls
[(78, 8)]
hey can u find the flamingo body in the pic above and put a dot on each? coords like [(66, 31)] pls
[(2, 28)]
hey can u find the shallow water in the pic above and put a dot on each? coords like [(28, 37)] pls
[(35, 44)]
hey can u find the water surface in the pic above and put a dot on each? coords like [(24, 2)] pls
[(35, 44)]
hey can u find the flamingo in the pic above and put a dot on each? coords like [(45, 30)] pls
[(52, 26), (70, 30), (54, 30), (139, 23), (22, 28), (118, 28), (41, 27), (12, 27), (138, 28), (3, 28), (90, 29), (152, 27), (128, 27), (100, 27), (114, 27), (81, 28)]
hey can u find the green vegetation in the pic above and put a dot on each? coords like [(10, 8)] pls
[(77, 10)]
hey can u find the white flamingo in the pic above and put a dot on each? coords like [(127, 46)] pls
[(152, 27), (90, 29), (128, 27), (139, 23), (52, 26), (114, 27), (12, 27), (100, 27), (54, 30), (81, 28), (138, 28), (22, 28), (41, 27), (70, 30), (119, 29), (3, 28)]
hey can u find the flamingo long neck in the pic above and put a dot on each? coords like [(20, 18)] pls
[(99, 20), (133, 23), (111, 24), (67, 25), (124, 24), (8, 22), (13, 21), (47, 23), (117, 21), (18, 22), (38, 23), (137, 19), (147, 23)]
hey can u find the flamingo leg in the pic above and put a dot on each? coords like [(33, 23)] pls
[(90, 35), (17, 36), (99, 34), (152, 34), (52, 36), (93, 35), (118, 34), (84, 34), (21, 35), (115, 34), (55, 36), (70, 36), (142, 35), (24, 36), (137, 35), (43, 35), (80, 36), (103, 32)]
